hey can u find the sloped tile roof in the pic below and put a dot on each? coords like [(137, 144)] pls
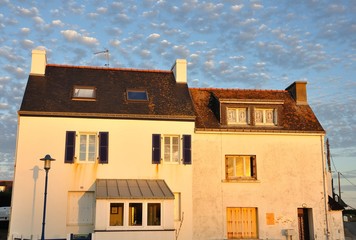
[(292, 117), (52, 94), (133, 189)]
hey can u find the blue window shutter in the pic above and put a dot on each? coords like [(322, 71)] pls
[(187, 149), (156, 148), (69, 147), (103, 147)]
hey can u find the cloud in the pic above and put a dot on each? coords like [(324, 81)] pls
[(27, 12), (237, 8), (74, 36), (57, 23), (153, 37)]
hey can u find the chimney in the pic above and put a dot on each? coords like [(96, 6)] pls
[(298, 90), (180, 70), (39, 61)]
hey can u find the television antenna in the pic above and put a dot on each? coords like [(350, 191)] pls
[(106, 52)]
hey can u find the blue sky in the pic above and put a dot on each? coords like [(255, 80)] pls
[(228, 44)]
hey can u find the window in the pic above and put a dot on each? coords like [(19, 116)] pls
[(153, 214), (137, 95), (116, 214), (177, 207), (88, 148), (237, 116), (135, 214), (87, 93), (265, 116), (241, 222), (171, 147), (240, 167)]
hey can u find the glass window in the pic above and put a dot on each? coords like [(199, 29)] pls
[(240, 167), (116, 214), (171, 149), (153, 214), (135, 214), (84, 92), (241, 222), (237, 116), (265, 116), (87, 147), (177, 207), (137, 95)]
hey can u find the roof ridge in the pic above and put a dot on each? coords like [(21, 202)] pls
[(239, 89), (108, 68)]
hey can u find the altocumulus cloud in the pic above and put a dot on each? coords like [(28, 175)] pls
[(74, 36)]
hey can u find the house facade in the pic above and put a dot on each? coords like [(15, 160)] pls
[(139, 155)]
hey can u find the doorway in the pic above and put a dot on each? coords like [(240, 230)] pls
[(304, 222)]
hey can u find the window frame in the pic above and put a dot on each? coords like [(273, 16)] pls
[(252, 167), (136, 91), (96, 147), (84, 97), (264, 118), (237, 114), (171, 153)]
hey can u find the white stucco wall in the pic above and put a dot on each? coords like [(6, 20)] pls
[(130, 157), (289, 176)]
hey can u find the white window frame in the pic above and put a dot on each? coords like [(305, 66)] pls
[(126, 215), (78, 147), (84, 93), (237, 112), (246, 168), (264, 116), (163, 149)]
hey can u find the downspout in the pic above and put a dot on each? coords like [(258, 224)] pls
[(324, 186)]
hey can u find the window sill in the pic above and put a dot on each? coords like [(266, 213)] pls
[(240, 181)]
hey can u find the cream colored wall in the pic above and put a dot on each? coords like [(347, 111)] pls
[(130, 156), (289, 172)]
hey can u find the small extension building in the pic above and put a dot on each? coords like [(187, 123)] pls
[(139, 155)]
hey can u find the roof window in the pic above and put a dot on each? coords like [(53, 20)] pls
[(84, 93), (137, 95)]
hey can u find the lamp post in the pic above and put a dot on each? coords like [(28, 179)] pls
[(47, 165)]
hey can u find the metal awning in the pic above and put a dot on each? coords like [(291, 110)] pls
[(132, 189)]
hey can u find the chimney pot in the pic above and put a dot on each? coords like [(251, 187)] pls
[(298, 90)]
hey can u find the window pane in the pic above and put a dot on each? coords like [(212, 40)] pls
[(137, 95), (177, 210), (239, 167), (247, 164), (84, 92), (230, 167), (167, 149), (175, 149), (83, 147), (135, 212), (153, 214), (116, 214)]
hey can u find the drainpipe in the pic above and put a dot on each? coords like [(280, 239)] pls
[(324, 187)]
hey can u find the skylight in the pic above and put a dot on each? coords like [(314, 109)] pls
[(137, 95), (84, 92)]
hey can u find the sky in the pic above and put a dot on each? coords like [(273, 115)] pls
[(228, 44)]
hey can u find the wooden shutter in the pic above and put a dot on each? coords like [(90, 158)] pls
[(241, 222), (69, 147), (187, 149), (156, 148), (253, 167), (103, 147)]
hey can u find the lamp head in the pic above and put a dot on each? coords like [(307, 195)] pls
[(47, 161)]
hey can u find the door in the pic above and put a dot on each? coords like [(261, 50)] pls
[(303, 224)]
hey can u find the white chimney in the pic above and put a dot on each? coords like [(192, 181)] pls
[(39, 61), (180, 70)]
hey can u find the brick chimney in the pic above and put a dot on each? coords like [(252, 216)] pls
[(39, 61), (179, 69), (298, 90)]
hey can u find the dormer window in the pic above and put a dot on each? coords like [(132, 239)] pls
[(137, 95), (237, 116), (265, 116), (84, 93)]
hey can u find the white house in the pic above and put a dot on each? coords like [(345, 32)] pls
[(139, 155), (122, 143), (259, 167)]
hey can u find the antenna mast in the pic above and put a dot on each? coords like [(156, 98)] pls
[(106, 52)]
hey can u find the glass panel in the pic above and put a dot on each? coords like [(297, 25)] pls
[(175, 149), (247, 163), (167, 149), (91, 148), (137, 95), (84, 92), (116, 214), (177, 209), (230, 167), (153, 214), (239, 166), (83, 147), (231, 115), (135, 214)]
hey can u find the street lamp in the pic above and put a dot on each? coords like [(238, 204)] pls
[(47, 165)]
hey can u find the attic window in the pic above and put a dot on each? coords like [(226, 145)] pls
[(84, 93), (137, 95)]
